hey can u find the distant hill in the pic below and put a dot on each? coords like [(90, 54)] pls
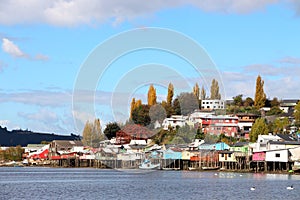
[(24, 137)]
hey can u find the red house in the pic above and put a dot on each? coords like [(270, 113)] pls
[(218, 124)]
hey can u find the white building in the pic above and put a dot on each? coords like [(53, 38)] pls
[(174, 121), (277, 155), (196, 116), (262, 141), (212, 104)]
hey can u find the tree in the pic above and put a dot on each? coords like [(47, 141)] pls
[(297, 113), (157, 113), (132, 107), (92, 134), (170, 94), (196, 91), (238, 100), (260, 96), (258, 128), (214, 90), (203, 93), (188, 103), (151, 96), (275, 102), (248, 102), (176, 107), (140, 115), (280, 124), (111, 129)]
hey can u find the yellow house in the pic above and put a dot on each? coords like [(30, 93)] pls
[(227, 156), (185, 155)]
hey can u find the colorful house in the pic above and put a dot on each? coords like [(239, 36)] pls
[(221, 146), (218, 124), (259, 156)]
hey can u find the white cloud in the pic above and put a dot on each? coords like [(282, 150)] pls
[(38, 97), (43, 115), (8, 46), (75, 12), (11, 48), (279, 77)]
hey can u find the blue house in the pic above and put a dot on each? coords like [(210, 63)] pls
[(220, 146), (172, 154)]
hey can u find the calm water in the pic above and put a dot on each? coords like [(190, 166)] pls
[(54, 183)]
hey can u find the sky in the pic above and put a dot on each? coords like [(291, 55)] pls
[(63, 62)]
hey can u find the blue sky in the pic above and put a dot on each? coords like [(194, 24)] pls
[(45, 44)]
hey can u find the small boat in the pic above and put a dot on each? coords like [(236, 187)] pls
[(210, 168), (290, 188), (192, 168), (148, 165), (252, 189)]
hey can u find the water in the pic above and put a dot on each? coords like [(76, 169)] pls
[(70, 183)]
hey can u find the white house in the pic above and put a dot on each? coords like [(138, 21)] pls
[(196, 116), (174, 121), (262, 141), (277, 155), (212, 104)]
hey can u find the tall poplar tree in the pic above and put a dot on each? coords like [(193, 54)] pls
[(214, 90), (260, 96), (170, 94), (203, 93), (132, 107), (151, 96), (196, 91)]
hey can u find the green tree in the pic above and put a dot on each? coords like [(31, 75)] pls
[(168, 108), (280, 124), (248, 102), (238, 100), (214, 90), (199, 134), (92, 134), (260, 96), (140, 115), (170, 94), (275, 102), (176, 107), (258, 128), (275, 110), (111, 129), (297, 114), (151, 96)]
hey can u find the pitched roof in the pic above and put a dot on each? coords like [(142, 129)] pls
[(286, 137)]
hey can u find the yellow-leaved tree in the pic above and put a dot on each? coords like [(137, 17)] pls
[(92, 133), (196, 91), (151, 96), (260, 96)]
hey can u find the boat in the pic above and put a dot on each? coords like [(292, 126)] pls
[(210, 168), (148, 165), (192, 168)]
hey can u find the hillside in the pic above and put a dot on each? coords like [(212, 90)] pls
[(24, 137)]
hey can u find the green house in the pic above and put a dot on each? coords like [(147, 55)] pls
[(240, 147)]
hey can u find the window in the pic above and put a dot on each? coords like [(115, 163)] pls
[(229, 155), (277, 155), (222, 155)]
